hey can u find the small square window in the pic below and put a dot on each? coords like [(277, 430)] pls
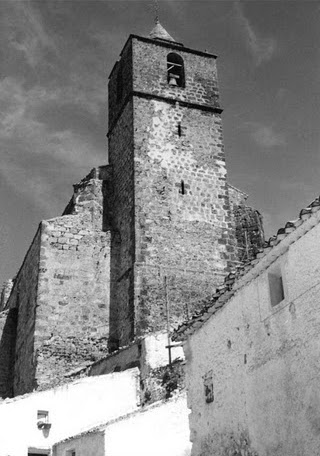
[(276, 286), (43, 420), (43, 415), (71, 453)]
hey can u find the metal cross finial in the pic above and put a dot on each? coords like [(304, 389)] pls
[(156, 11)]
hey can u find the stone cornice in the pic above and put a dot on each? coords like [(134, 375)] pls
[(151, 96)]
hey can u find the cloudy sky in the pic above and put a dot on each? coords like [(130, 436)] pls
[(55, 57)]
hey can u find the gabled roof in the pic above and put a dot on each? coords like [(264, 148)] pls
[(276, 246)]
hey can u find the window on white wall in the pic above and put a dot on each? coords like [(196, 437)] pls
[(43, 415), (43, 420), (41, 453), (71, 453), (38, 452), (276, 286), (208, 387)]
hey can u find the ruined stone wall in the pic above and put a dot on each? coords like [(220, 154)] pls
[(249, 232), (248, 225), (253, 367), (72, 324), (236, 196), (61, 295)]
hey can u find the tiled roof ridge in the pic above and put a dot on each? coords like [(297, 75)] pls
[(232, 281)]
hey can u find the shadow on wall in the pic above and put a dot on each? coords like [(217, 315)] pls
[(7, 353), (121, 317)]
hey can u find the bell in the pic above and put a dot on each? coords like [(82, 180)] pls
[(172, 79)]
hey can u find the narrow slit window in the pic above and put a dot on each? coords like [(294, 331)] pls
[(276, 287), (175, 70), (182, 190), (179, 130)]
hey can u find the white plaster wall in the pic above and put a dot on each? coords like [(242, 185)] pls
[(85, 445), (155, 352), (157, 431), (265, 364), (72, 408)]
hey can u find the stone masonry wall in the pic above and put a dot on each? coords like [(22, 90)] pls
[(120, 86), (23, 297), (121, 211), (122, 230), (5, 293), (248, 225), (72, 324), (8, 332), (61, 295), (249, 232), (183, 223), (150, 74), (172, 220)]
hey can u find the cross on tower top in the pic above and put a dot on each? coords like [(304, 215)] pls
[(156, 11)]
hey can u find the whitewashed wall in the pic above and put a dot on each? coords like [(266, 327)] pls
[(161, 429), (264, 362), (72, 408)]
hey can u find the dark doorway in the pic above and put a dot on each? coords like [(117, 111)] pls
[(38, 454)]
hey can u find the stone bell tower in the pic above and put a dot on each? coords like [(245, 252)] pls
[(173, 237)]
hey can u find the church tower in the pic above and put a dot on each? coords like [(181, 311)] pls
[(144, 240), (173, 238)]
